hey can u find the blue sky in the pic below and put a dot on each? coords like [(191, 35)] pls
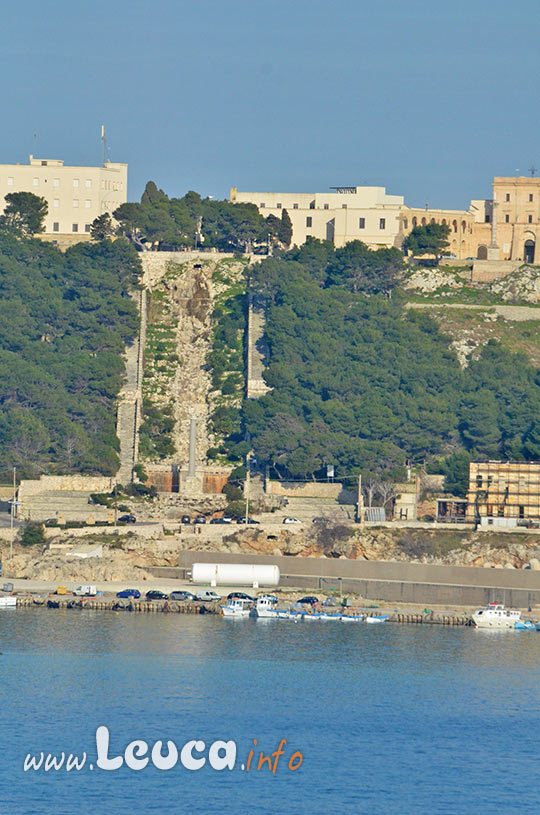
[(429, 99)]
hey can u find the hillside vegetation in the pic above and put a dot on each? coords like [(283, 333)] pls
[(64, 322), (360, 382)]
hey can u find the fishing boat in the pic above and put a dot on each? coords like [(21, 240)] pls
[(7, 601), (380, 619), (266, 606), (525, 625), (326, 616), (496, 616), (236, 607), (352, 618)]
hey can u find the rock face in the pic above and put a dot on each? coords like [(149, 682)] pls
[(523, 284)]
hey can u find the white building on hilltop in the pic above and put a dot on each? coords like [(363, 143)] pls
[(75, 195), (368, 214)]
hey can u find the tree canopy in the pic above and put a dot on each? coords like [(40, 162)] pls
[(64, 321), (430, 239), (24, 213)]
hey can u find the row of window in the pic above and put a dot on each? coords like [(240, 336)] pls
[(74, 227), (56, 182), (75, 203), (361, 222), (507, 197)]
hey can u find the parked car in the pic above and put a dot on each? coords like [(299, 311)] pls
[(156, 595), (239, 595), (185, 519), (199, 519), (135, 593), (247, 521), (61, 590), (182, 595), (208, 595), (309, 600), (128, 519), (291, 521), (218, 521)]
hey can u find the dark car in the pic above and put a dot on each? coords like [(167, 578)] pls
[(182, 595), (156, 595), (129, 593), (199, 519), (247, 521), (309, 600), (218, 521), (128, 519), (239, 595), (185, 519)]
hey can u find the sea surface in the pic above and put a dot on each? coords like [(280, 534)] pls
[(387, 719)]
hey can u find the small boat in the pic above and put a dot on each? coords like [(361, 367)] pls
[(237, 608), (352, 618), (381, 619), (325, 616), (266, 606), (525, 625), (8, 601), (496, 616)]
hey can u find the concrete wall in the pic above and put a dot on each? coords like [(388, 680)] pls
[(68, 483), (301, 489)]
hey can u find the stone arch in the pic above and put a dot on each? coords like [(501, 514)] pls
[(443, 221), (463, 226), (454, 226), (415, 221), (433, 221), (529, 248), (423, 221), (481, 252)]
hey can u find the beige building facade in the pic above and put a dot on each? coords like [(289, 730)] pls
[(76, 196), (504, 493), (506, 227)]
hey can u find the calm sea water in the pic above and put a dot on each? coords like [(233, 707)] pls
[(389, 719)]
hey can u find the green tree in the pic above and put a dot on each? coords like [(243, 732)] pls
[(102, 227), (430, 239), (152, 195), (24, 213), (365, 270), (456, 473), (285, 229)]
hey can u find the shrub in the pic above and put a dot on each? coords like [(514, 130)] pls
[(33, 534), (232, 492)]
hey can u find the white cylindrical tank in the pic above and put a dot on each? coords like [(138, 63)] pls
[(235, 574)]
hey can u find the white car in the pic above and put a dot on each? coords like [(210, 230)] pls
[(291, 521)]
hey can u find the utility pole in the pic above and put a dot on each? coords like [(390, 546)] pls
[(248, 472), (115, 504)]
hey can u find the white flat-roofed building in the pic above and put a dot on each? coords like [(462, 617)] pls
[(368, 214), (76, 196)]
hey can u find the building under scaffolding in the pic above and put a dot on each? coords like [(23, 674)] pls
[(504, 493)]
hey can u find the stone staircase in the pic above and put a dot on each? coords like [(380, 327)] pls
[(129, 415), (72, 505)]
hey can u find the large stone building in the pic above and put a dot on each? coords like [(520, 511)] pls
[(504, 493), (75, 195), (505, 227)]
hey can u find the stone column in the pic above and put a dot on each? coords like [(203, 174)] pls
[(493, 252)]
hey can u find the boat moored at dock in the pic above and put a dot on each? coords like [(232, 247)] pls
[(496, 616), (237, 607)]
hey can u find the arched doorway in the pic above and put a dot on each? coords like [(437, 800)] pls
[(481, 253), (528, 252)]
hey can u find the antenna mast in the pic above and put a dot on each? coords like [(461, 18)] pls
[(104, 143)]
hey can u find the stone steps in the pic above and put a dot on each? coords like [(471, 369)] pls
[(73, 506)]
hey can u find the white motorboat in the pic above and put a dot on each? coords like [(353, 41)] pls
[(352, 618), (382, 618), (8, 601), (496, 616), (266, 606), (237, 607)]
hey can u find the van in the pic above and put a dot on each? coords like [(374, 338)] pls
[(86, 590), (208, 595)]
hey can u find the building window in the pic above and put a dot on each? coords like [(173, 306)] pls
[(43, 163), (56, 203), (507, 219), (507, 196), (75, 202), (10, 181), (75, 182), (500, 511), (478, 480), (326, 206), (35, 182), (361, 223), (56, 182), (312, 205), (530, 219), (87, 227), (382, 223), (405, 223), (309, 220), (487, 219), (56, 227), (344, 206), (262, 206), (531, 197), (278, 206), (295, 206), (88, 203), (88, 184), (75, 228)]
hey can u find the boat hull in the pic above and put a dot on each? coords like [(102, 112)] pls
[(8, 602)]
